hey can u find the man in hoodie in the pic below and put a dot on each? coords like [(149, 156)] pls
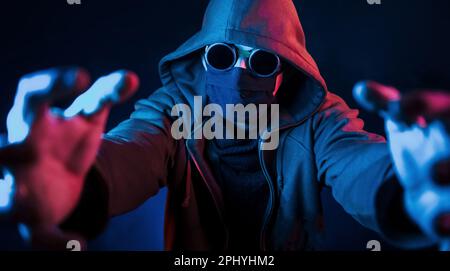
[(222, 193)]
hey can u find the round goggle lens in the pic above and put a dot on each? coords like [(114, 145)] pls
[(220, 56), (264, 63)]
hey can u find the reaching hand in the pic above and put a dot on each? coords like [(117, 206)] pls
[(418, 127), (51, 150)]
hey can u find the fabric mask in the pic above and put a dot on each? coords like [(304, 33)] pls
[(239, 86)]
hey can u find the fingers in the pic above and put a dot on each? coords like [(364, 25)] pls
[(81, 80), (374, 96), (417, 107), (106, 91), (426, 106), (37, 93), (50, 86), (131, 84), (38, 90)]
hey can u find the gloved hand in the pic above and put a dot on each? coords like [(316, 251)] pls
[(50, 150), (418, 134)]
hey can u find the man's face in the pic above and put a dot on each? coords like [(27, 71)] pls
[(222, 57), (239, 75)]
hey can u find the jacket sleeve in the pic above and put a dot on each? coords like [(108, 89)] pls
[(132, 164), (358, 168), (136, 156)]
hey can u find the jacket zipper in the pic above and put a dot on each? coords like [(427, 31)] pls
[(269, 208)]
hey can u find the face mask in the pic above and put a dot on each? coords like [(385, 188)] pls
[(239, 86)]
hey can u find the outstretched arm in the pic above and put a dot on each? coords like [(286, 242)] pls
[(358, 168)]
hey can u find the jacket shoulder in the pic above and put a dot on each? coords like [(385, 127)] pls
[(159, 103), (333, 101)]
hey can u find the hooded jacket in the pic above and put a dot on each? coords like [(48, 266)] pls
[(322, 143)]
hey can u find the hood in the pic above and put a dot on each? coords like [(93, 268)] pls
[(272, 25)]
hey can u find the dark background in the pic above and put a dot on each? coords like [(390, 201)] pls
[(403, 42)]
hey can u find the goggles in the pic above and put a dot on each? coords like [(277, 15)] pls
[(223, 57)]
